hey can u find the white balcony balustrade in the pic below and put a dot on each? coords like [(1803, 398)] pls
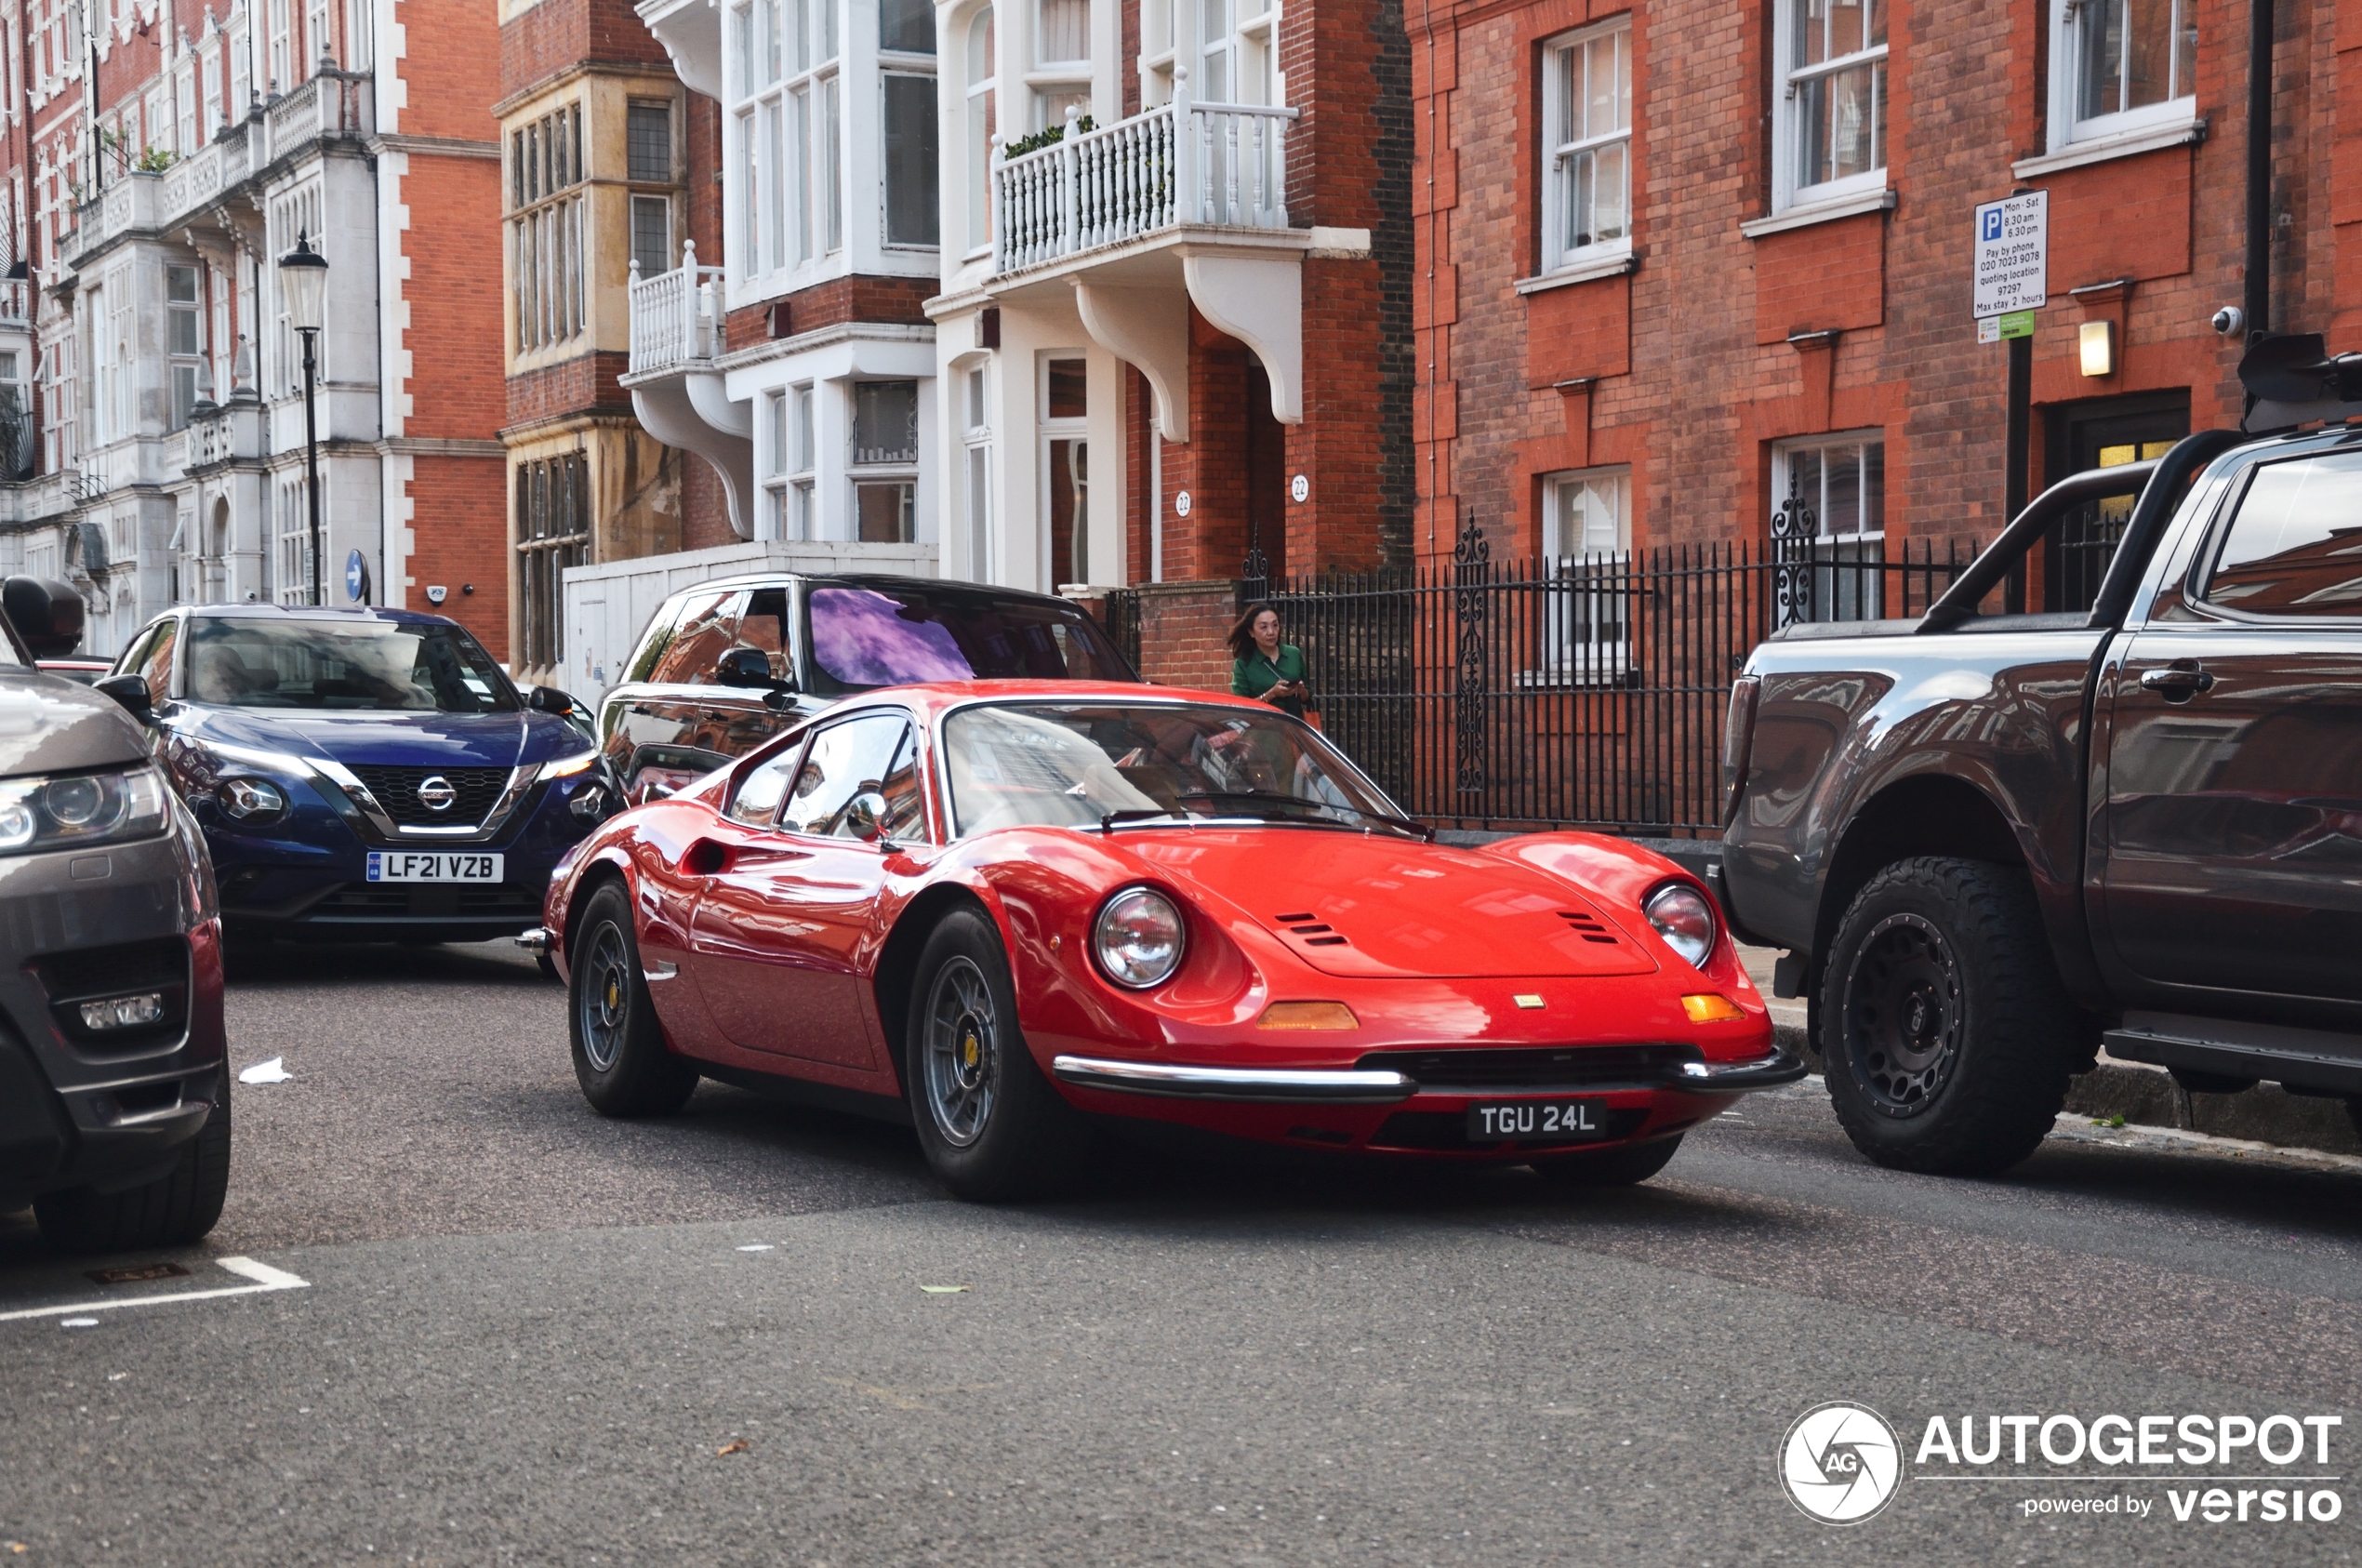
[(673, 316), (1180, 164)]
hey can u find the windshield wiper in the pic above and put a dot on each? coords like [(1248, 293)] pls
[(1421, 829)]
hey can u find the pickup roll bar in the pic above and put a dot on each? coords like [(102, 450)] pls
[(2157, 501)]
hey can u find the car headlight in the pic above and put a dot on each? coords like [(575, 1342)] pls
[(1684, 918), (567, 768), (251, 801), (1140, 938), (84, 808)]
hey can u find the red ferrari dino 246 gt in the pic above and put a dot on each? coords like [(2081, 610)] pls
[(998, 909)]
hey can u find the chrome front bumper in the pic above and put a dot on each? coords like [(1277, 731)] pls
[(1378, 1086), (1343, 1086)]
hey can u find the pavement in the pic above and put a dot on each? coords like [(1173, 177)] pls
[(2140, 1093), (518, 1334)]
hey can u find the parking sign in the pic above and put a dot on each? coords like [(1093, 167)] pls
[(2013, 255)]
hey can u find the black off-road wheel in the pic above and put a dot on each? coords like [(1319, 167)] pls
[(171, 1210), (1628, 1166), (619, 1055), (991, 1124), (1946, 1038)]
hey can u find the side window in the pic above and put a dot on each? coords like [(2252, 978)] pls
[(657, 638), (906, 805), (156, 664), (761, 792), (708, 623), (764, 628), (844, 761), (133, 659), (2295, 545)]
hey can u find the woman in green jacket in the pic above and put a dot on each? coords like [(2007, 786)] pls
[(1266, 668)]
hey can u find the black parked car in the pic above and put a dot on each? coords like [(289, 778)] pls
[(114, 1086), (725, 665)]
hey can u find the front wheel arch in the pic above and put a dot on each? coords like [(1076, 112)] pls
[(899, 963)]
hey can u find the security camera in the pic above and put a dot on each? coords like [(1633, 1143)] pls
[(2229, 319)]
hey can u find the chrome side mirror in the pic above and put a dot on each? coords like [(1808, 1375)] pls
[(865, 816)]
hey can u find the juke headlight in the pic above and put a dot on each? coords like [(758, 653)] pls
[(1684, 918), (80, 809), (1139, 937)]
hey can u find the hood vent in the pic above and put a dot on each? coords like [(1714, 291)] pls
[(1588, 927), (1311, 932)]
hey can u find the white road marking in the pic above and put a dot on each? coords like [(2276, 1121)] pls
[(265, 1277)]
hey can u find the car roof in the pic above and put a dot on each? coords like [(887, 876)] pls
[(315, 612), (938, 697), (884, 581)]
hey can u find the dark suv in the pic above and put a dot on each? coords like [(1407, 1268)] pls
[(114, 1087), (725, 666)]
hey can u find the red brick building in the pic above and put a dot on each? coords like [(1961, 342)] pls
[(606, 160), (161, 156), (1681, 262)]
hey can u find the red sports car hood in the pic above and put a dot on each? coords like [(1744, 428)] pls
[(1379, 908)]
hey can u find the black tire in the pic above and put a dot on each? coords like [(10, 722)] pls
[(1628, 1166), (991, 1125), (620, 1055), (174, 1210), (1946, 1036)]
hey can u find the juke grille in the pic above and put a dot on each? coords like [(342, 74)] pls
[(397, 790)]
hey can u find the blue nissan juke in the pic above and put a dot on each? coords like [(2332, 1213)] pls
[(362, 775)]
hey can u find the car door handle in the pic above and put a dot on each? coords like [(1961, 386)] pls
[(2178, 682)]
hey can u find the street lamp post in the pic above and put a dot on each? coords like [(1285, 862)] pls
[(303, 280)]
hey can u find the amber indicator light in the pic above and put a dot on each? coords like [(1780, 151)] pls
[(1712, 1009)]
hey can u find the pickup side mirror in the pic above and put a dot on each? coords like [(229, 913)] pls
[(48, 615), (750, 667), (129, 690)]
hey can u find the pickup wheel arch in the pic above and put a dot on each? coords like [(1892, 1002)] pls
[(1935, 815)]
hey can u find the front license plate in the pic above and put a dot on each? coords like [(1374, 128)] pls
[(406, 865), (1559, 1120)]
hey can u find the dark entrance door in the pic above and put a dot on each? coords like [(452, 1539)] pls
[(2101, 434), (1266, 482)]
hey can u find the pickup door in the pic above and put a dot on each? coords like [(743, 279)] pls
[(2234, 829)]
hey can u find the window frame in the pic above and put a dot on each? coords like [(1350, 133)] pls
[(1557, 157), (1789, 190), (1784, 455), (2068, 127), (542, 557), (544, 225), (783, 118)]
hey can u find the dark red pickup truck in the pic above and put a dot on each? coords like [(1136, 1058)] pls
[(1992, 844)]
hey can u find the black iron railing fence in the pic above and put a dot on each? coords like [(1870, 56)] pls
[(1573, 691)]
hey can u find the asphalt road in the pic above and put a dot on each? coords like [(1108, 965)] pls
[(526, 1336)]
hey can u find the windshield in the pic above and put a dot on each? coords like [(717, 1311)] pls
[(343, 665), (1073, 764), (864, 638)]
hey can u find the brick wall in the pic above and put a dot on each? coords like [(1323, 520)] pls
[(558, 34), (460, 520), (858, 297), (586, 384), (1686, 369), (1182, 631)]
